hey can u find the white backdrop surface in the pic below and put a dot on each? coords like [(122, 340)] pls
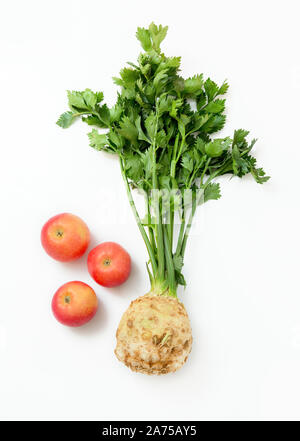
[(242, 264)]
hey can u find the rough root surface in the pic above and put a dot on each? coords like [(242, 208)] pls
[(154, 335)]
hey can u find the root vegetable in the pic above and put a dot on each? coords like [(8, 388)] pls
[(154, 335), (169, 152)]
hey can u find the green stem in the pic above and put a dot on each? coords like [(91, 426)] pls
[(180, 236), (157, 203), (139, 222), (180, 149), (204, 171), (160, 240), (174, 153), (169, 264), (86, 112), (150, 228), (187, 230), (171, 225)]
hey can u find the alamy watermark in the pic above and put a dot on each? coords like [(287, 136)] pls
[(159, 205)]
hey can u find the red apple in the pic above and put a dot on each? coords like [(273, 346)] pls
[(74, 304), (65, 237), (109, 264)]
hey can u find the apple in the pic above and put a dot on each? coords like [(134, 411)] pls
[(74, 304), (65, 237), (109, 264)]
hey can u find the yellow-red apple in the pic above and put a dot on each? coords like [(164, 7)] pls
[(65, 237), (109, 264), (74, 304)]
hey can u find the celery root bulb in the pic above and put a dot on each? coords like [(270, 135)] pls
[(154, 335)]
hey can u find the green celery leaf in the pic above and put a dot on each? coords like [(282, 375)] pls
[(259, 175), (148, 164), (150, 124), (94, 121), (97, 141), (85, 100), (116, 140), (211, 89), (180, 278), (90, 98), (216, 148), (128, 130), (104, 114), (212, 191), (129, 76), (143, 35), (141, 134), (239, 136), (199, 121), (187, 162), (223, 89), (158, 34), (165, 104), (65, 120), (134, 167), (200, 145), (115, 113), (193, 85), (161, 139), (178, 262), (176, 104), (240, 166), (216, 106), (214, 123)]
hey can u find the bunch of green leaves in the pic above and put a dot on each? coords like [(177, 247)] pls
[(163, 129)]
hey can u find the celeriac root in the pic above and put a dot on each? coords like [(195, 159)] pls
[(154, 335)]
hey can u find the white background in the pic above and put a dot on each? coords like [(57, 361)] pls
[(242, 264)]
